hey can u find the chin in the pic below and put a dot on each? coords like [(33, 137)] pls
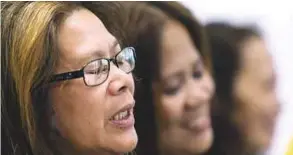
[(126, 143), (259, 141), (262, 144), (202, 142)]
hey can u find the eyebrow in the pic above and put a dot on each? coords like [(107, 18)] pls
[(97, 54), (180, 72)]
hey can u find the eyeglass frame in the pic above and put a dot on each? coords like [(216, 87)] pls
[(80, 73)]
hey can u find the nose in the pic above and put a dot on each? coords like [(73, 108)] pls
[(119, 81), (199, 92)]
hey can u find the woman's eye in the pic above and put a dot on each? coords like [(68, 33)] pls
[(104, 68), (198, 70), (173, 86), (93, 71), (120, 62), (197, 74), (97, 70), (171, 90)]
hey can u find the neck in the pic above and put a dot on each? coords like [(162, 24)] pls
[(63, 147), (229, 149), (166, 151)]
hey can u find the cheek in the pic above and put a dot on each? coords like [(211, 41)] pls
[(251, 114), (254, 108), (255, 104), (79, 112), (172, 106), (246, 99)]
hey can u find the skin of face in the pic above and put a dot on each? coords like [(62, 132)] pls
[(254, 89), (83, 113), (187, 89)]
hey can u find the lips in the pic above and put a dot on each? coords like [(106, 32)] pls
[(123, 118), (198, 124), (197, 121), (121, 115)]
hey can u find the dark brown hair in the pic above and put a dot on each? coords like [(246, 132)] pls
[(29, 55), (225, 41), (140, 24)]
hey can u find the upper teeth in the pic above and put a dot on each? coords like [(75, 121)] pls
[(121, 115)]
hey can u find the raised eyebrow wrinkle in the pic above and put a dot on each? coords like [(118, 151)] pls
[(97, 54)]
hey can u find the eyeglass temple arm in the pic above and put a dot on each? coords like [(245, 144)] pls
[(67, 76)]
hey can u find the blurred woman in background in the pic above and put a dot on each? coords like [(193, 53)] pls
[(173, 70), (66, 85), (246, 106)]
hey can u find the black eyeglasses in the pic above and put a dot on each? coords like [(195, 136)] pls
[(97, 71)]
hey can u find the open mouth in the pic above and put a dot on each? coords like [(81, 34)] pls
[(123, 118), (121, 115), (198, 124)]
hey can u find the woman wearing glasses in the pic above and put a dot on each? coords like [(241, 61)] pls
[(67, 86), (174, 87)]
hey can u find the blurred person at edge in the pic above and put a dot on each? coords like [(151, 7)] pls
[(245, 109)]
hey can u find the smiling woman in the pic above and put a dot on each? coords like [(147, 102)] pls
[(53, 103), (175, 89)]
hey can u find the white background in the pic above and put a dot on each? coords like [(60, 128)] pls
[(275, 20)]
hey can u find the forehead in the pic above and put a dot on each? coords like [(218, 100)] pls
[(178, 48), (83, 34), (255, 57)]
